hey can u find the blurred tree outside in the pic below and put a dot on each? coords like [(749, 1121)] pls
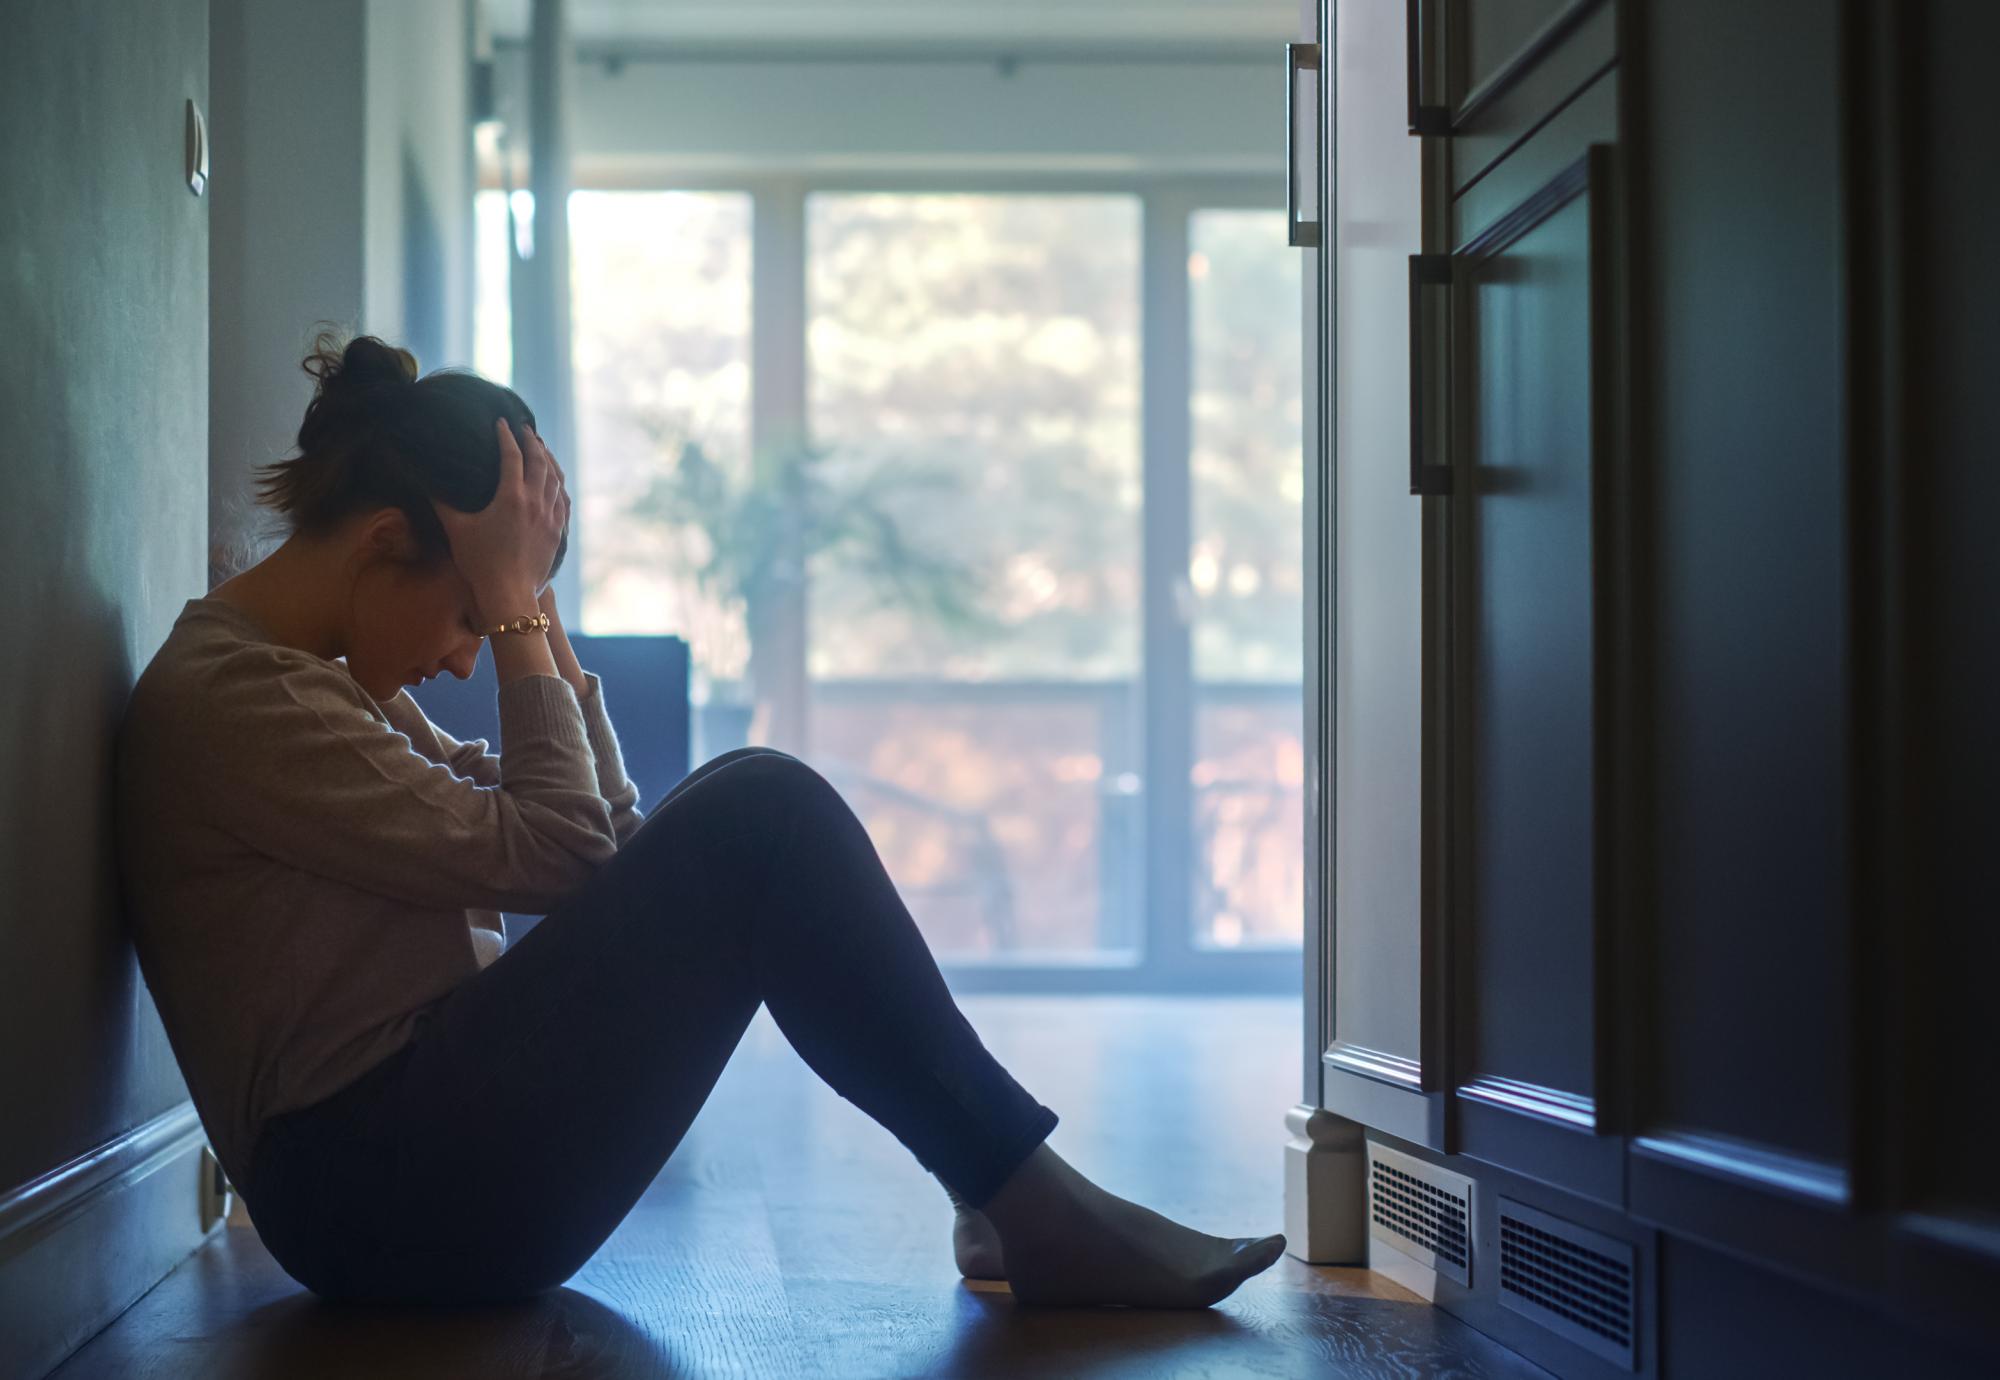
[(1247, 562), (660, 290), (994, 336), (760, 527), (968, 514), (1246, 566)]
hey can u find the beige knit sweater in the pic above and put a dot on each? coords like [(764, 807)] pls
[(304, 867)]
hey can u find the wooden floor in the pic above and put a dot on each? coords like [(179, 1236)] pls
[(791, 1235)]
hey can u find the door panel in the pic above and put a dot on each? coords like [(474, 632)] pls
[(1375, 1060), (1748, 965), (1485, 38), (1526, 647), (1506, 114), (1957, 745), (1532, 332)]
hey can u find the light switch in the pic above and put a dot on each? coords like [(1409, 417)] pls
[(197, 149)]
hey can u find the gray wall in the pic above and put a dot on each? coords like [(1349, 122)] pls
[(342, 193), (287, 234), (656, 118), (104, 388), (107, 382), (127, 440), (418, 185)]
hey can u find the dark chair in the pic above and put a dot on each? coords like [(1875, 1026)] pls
[(645, 683)]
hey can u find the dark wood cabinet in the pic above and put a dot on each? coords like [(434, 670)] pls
[(1690, 958), (1926, 659), (1747, 960), (1519, 442), (1528, 419)]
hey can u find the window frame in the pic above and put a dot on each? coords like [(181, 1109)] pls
[(1169, 960)]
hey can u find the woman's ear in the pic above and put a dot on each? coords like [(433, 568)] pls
[(387, 536)]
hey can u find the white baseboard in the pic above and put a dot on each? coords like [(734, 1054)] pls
[(80, 1243), (1326, 1188)]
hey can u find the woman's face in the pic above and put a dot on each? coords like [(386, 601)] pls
[(412, 623)]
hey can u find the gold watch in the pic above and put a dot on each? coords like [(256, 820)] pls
[(524, 624)]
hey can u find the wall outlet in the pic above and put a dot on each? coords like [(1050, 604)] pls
[(217, 1194), (197, 149)]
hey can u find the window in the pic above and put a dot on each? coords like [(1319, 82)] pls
[(1246, 569), (660, 335), (660, 343), (980, 352), (973, 607)]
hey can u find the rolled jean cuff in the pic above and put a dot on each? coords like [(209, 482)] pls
[(982, 1181)]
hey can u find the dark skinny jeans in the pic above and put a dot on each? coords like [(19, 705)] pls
[(490, 1157)]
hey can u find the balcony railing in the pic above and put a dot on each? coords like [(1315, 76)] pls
[(1011, 816)]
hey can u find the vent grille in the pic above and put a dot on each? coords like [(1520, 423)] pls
[(1423, 1211), (1575, 1282)]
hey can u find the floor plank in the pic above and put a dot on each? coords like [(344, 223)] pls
[(791, 1235)]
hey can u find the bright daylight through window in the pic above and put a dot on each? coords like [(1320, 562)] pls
[(974, 533)]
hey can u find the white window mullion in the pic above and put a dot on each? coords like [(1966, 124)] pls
[(1167, 690)]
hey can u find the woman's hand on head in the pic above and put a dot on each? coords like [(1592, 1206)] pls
[(504, 550)]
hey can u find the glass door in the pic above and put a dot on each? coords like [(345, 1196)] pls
[(974, 379), (1246, 571), (1048, 529)]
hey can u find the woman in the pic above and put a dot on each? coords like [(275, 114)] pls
[(413, 1111)]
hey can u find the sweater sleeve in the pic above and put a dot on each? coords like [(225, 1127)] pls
[(470, 759), (296, 764), (618, 791)]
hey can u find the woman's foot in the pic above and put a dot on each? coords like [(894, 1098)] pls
[(1067, 1241), (974, 1243), (976, 1246)]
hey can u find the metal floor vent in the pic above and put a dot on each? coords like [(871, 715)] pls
[(1573, 1281), (1423, 1211)]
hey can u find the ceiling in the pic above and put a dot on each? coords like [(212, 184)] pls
[(1229, 29)]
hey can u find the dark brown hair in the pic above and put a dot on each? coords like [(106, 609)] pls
[(375, 435)]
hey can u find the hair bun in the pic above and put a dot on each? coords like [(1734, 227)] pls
[(365, 361), (376, 436)]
